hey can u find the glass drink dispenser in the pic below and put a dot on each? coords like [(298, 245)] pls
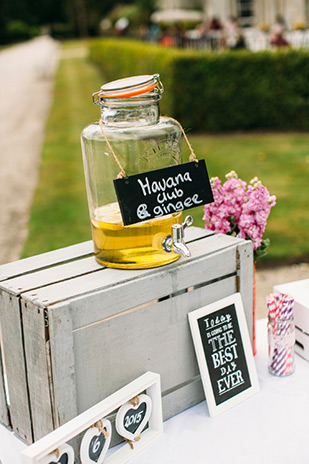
[(131, 138)]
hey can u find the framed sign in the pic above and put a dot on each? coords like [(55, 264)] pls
[(224, 353), (163, 191), (138, 411)]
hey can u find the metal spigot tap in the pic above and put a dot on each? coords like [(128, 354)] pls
[(175, 242)]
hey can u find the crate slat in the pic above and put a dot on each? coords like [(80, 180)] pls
[(184, 397), (4, 411), (38, 373), (46, 261), (51, 258), (156, 286), (245, 280), (63, 365), (55, 274), (87, 284), (15, 367)]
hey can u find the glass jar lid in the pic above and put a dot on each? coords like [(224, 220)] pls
[(129, 87)]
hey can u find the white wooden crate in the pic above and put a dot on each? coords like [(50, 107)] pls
[(73, 332)]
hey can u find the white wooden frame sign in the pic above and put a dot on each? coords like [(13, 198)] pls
[(138, 403), (224, 353)]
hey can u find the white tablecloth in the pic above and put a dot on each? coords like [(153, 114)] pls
[(269, 428)]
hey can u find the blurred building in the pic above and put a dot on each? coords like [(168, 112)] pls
[(251, 13)]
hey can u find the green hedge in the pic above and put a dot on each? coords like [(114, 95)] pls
[(217, 91)]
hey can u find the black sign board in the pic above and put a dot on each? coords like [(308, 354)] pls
[(96, 446), (224, 353), (64, 459), (134, 417), (163, 191)]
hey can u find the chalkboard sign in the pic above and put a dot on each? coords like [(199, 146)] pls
[(165, 191), (224, 353), (64, 459), (63, 455), (131, 419), (95, 442), (134, 417), (96, 446)]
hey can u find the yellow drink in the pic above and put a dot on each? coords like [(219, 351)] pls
[(137, 246)]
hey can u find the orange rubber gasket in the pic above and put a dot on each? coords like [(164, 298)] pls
[(130, 94)]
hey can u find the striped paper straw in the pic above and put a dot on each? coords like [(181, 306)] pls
[(280, 308)]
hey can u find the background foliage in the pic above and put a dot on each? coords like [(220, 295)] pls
[(218, 91), (21, 20)]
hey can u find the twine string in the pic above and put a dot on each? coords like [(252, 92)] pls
[(135, 401), (192, 157), (122, 172), (100, 426), (130, 442)]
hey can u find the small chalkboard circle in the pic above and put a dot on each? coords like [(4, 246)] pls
[(132, 419), (95, 447), (63, 455), (62, 460), (95, 443)]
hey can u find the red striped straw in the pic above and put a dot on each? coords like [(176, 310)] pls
[(280, 309), (271, 305), (280, 306)]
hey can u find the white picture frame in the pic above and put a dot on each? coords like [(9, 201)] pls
[(148, 383), (224, 353)]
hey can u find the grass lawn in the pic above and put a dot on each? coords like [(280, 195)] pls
[(281, 161), (59, 215)]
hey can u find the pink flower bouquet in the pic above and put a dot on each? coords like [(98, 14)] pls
[(240, 209)]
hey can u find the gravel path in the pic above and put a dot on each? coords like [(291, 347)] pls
[(26, 84)]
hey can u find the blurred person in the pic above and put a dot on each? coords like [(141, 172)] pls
[(234, 37), (240, 43), (231, 32), (215, 34), (143, 32), (121, 26), (168, 38), (215, 24), (280, 23), (277, 38), (154, 32)]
